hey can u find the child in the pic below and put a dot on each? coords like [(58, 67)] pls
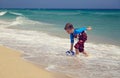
[(77, 33)]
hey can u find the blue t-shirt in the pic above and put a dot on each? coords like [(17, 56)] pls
[(76, 31)]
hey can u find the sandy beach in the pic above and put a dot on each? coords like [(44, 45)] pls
[(13, 66)]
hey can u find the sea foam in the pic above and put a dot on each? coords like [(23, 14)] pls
[(43, 49), (3, 13)]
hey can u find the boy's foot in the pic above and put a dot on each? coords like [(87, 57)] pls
[(77, 55), (86, 54)]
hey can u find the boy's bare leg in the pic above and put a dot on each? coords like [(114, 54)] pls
[(86, 54), (77, 51)]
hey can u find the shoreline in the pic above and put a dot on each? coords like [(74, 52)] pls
[(13, 66)]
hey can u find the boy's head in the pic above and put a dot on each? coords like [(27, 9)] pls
[(69, 28)]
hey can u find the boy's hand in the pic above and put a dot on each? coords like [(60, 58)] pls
[(89, 28)]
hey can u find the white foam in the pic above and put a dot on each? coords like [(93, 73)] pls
[(15, 13), (50, 67), (4, 23), (3, 13), (26, 36), (24, 20), (10, 12), (21, 20), (50, 51)]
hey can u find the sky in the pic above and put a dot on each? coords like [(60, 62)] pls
[(74, 4)]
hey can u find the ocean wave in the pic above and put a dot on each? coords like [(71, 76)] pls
[(15, 13), (20, 20), (105, 13), (98, 13), (57, 13), (65, 13), (25, 21), (10, 12), (82, 13), (3, 13), (48, 50)]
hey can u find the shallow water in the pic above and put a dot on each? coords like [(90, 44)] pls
[(104, 60)]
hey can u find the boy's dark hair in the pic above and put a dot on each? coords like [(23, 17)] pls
[(68, 26)]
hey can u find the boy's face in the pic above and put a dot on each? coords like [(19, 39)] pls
[(69, 31)]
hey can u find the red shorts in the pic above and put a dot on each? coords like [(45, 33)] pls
[(80, 45)]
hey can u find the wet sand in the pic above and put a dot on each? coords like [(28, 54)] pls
[(13, 66)]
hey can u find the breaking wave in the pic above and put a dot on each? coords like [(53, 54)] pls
[(20, 20), (2, 13), (15, 13)]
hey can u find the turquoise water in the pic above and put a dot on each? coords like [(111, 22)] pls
[(105, 23), (40, 35)]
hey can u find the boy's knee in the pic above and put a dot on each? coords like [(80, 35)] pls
[(81, 49)]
